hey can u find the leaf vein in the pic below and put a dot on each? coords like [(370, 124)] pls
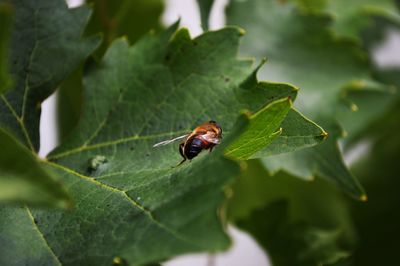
[(19, 121), (41, 235), (126, 196), (113, 142)]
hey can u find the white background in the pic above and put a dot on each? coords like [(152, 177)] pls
[(244, 250)]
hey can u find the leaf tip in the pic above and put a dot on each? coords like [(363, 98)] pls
[(364, 198), (353, 107), (324, 135), (241, 31), (290, 101), (117, 261), (245, 113), (264, 60), (310, 178), (125, 38)]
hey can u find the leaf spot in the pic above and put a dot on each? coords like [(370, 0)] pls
[(96, 162)]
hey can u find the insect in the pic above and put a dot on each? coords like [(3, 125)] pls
[(204, 137)]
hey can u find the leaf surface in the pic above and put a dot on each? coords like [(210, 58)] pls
[(5, 27), (130, 18), (298, 132), (43, 52), (296, 222), (131, 201), (376, 222), (36, 43), (352, 17), (301, 49), (262, 130), (23, 178)]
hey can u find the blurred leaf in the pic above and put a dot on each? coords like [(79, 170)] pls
[(297, 222), (323, 161), (377, 222), (5, 25), (69, 103), (381, 98), (131, 202), (130, 18), (351, 17), (312, 5), (292, 244), (43, 52), (205, 10), (23, 179), (301, 49)]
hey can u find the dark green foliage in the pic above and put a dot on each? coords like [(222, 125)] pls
[(5, 27), (24, 179), (43, 52), (129, 203)]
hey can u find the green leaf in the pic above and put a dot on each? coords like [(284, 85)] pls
[(352, 17), (298, 132), (382, 98), (205, 10), (132, 202), (323, 161), (5, 24), (130, 18), (262, 130), (69, 103), (42, 55), (376, 222), (18, 230), (296, 222), (301, 49), (292, 244), (311, 5), (23, 179)]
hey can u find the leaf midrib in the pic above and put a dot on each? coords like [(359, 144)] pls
[(135, 137)]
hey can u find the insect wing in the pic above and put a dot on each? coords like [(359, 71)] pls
[(165, 142), (210, 137)]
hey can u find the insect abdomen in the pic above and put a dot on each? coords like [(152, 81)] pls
[(194, 148)]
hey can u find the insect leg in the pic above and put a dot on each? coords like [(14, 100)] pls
[(184, 160), (181, 150), (182, 154), (211, 148)]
